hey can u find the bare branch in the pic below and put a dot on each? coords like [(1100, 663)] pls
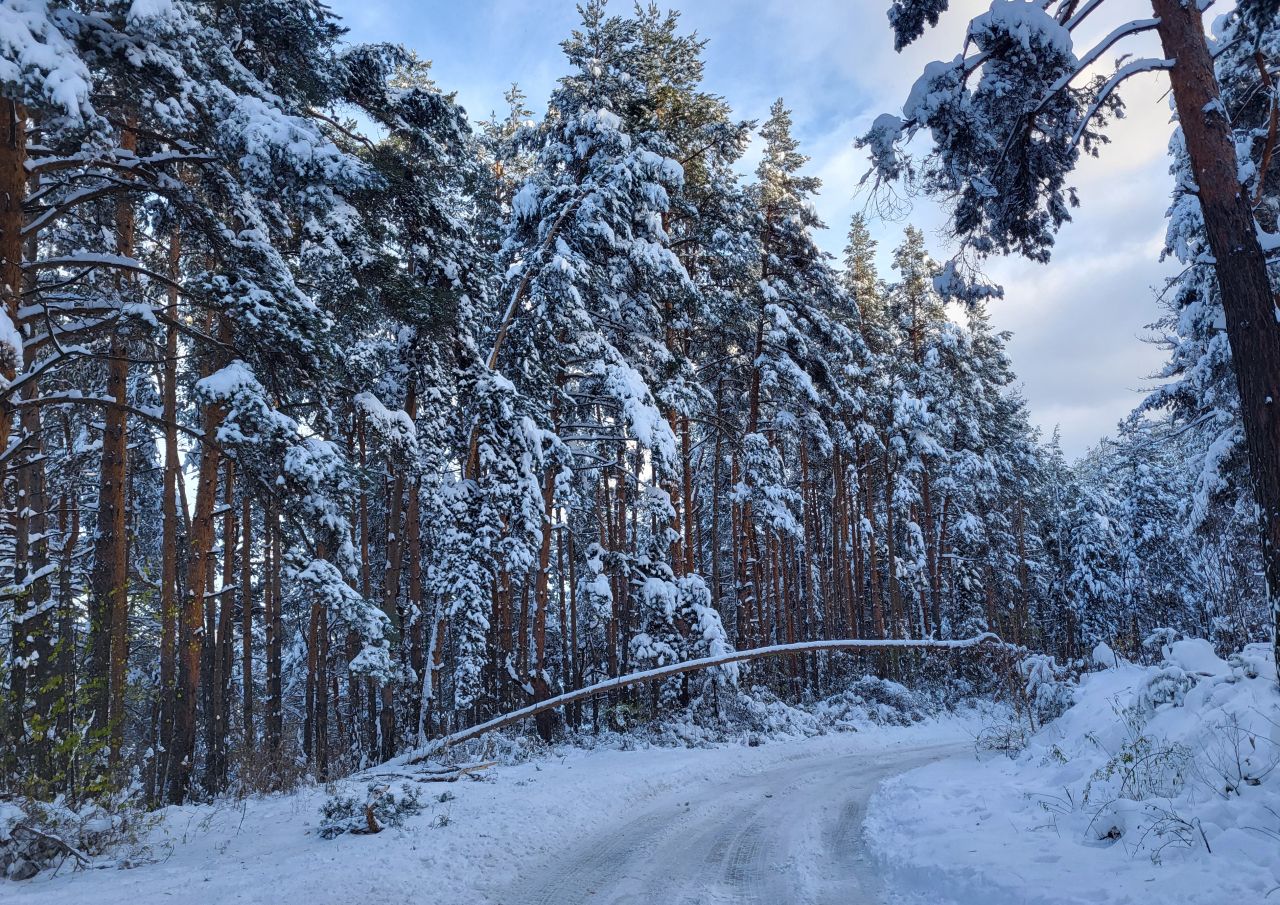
[(114, 262)]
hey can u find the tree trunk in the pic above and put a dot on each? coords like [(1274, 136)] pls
[(390, 605), (13, 191), (220, 645), (169, 525), (246, 616), (70, 530), (1247, 296), (110, 582), (274, 721), (690, 666), (192, 622), (542, 600), (33, 637)]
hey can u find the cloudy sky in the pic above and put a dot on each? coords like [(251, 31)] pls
[(1078, 322)]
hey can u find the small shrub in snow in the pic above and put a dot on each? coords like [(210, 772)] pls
[(1143, 768), (1175, 764), (1048, 688), (1165, 686), (1035, 686), (1007, 737), (36, 836), (1236, 755), (1158, 643), (872, 700), (379, 808), (1255, 661)]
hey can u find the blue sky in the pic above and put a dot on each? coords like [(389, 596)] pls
[(1077, 322)]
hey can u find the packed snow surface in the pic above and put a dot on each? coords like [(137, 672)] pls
[(1160, 785), (779, 822)]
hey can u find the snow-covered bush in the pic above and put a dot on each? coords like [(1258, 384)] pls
[(1007, 737), (1186, 738), (1048, 688), (37, 836), (373, 812), (1164, 686), (870, 699), (1143, 768)]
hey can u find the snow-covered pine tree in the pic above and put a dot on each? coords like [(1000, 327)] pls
[(1010, 117)]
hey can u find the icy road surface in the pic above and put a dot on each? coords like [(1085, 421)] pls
[(789, 834)]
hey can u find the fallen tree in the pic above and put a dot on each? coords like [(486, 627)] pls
[(665, 672)]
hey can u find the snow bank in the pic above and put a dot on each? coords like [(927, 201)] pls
[(1161, 784)]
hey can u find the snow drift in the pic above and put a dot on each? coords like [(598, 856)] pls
[(1159, 784)]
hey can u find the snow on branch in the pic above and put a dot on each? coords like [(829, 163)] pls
[(1146, 64), (1137, 26), (1083, 14), (115, 262)]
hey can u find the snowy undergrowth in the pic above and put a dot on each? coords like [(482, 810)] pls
[(1159, 784), (750, 717)]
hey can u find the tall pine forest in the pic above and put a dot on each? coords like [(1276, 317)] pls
[(334, 419)]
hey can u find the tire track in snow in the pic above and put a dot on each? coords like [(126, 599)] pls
[(790, 834)]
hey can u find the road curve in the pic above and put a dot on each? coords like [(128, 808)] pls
[(791, 835)]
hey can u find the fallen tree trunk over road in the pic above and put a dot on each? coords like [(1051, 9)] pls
[(675, 669)]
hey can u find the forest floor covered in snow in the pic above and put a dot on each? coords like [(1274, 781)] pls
[(1160, 784)]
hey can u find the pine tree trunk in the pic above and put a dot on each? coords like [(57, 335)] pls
[(110, 581), (169, 527), (13, 191), (891, 554), (542, 600), (873, 565), (714, 547), (219, 645), (33, 637), (274, 721), (246, 617), (416, 603), (37, 626), (371, 726), (66, 662), (1248, 298), (929, 598), (390, 605), (192, 629), (686, 493)]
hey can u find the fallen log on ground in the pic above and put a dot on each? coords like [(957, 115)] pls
[(437, 774)]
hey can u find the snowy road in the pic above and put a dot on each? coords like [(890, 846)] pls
[(790, 834), (777, 824)]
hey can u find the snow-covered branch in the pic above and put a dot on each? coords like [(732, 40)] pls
[(1146, 64), (113, 262), (676, 669), (1130, 28)]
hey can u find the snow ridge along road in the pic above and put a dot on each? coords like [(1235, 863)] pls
[(789, 835)]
